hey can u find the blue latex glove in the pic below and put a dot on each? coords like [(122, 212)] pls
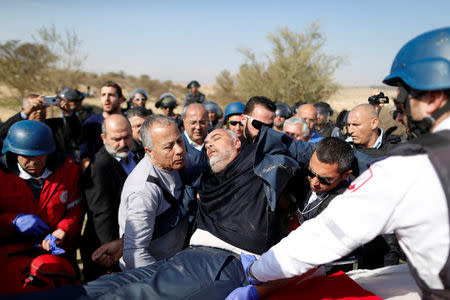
[(53, 248), (243, 293), (30, 225), (246, 261)]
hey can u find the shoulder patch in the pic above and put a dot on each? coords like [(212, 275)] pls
[(362, 180), (64, 197)]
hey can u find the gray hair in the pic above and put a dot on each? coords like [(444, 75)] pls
[(146, 135), (232, 134), (183, 114), (297, 120)]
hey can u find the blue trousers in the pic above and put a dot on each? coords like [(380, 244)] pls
[(194, 273)]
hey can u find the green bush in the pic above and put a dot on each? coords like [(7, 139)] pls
[(296, 70)]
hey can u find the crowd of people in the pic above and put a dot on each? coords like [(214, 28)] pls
[(210, 204)]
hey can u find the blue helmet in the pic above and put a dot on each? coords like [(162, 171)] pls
[(234, 108), (29, 138), (424, 62)]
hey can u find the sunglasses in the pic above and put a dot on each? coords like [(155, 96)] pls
[(140, 99), (234, 123), (322, 180), (258, 124)]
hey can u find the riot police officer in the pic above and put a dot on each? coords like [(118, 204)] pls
[(194, 95), (167, 102)]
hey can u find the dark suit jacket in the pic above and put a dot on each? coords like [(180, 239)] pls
[(103, 182), (66, 131), (198, 157)]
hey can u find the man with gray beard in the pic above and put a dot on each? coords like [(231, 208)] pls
[(235, 215), (103, 183)]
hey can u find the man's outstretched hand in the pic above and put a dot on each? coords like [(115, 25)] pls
[(109, 253)]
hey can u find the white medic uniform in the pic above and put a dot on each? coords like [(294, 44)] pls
[(400, 194)]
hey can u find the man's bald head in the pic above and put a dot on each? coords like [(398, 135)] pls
[(308, 113), (117, 135), (195, 120), (367, 109), (362, 125), (115, 121)]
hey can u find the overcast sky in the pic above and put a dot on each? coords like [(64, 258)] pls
[(185, 40)]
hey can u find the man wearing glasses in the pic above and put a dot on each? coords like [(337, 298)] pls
[(309, 113), (195, 120), (259, 110), (328, 175), (232, 117)]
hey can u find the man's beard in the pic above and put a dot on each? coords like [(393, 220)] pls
[(248, 136), (116, 152), (219, 161), (113, 108), (279, 126)]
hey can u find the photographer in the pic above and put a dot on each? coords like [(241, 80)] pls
[(66, 129)]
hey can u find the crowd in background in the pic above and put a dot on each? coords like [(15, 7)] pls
[(130, 188)]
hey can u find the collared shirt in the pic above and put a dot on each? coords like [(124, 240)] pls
[(25, 175), (23, 115), (128, 167), (193, 144), (379, 140), (140, 203), (34, 183), (311, 207), (377, 143)]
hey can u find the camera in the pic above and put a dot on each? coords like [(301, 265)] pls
[(377, 99), (51, 100)]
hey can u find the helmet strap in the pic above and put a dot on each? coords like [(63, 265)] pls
[(444, 109), (417, 127)]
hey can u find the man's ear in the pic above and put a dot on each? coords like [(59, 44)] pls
[(435, 101), (347, 174), (148, 151), (103, 137), (237, 144), (374, 123)]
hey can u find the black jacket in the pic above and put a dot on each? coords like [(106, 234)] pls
[(103, 182), (389, 141)]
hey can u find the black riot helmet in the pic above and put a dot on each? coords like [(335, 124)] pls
[(283, 110)]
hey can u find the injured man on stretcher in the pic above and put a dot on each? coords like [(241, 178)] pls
[(242, 208)]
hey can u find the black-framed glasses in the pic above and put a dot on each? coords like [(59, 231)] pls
[(234, 123), (140, 99), (258, 124), (323, 180)]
